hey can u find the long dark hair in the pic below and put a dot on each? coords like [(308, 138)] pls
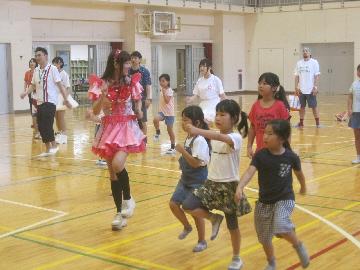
[(196, 115), (206, 63), (273, 80), (232, 107), (115, 57), (282, 129), (34, 61)]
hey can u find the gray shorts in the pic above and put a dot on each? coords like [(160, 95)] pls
[(144, 111), (310, 99), (354, 121), (273, 219)]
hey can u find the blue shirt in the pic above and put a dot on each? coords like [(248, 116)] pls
[(145, 78)]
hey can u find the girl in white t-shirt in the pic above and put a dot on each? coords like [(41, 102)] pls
[(193, 164), (219, 190), (209, 89), (354, 113), (61, 137)]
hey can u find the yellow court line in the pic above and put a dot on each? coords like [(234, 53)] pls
[(331, 174), (256, 247), (100, 250)]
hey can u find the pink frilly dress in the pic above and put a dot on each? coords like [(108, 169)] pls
[(119, 129)]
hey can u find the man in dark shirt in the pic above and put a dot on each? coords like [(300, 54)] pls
[(145, 83)]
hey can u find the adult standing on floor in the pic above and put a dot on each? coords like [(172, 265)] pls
[(146, 95), (46, 81), (307, 75)]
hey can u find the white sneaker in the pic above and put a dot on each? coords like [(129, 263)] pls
[(170, 151), (101, 162), (118, 223), (156, 137), (58, 138), (128, 208), (53, 151), (236, 264), (63, 139), (44, 154), (355, 161)]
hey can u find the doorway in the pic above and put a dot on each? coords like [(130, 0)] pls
[(5, 86), (336, 62), (180, 71)]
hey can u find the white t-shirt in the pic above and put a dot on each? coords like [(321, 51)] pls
[(200, 149), (225, 160), (45, 83), (66, 83), (355, 91), (307, 70), (209, 88), (64, 79)]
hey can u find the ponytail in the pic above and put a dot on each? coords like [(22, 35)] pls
[(243, 126), (280, 95)]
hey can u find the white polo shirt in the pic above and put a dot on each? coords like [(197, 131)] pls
[(45, 84), (307, 70)]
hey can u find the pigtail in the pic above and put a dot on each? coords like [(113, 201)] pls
[(280, 95), (243, 126)]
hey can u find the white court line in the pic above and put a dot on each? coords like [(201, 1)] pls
[(324, 220), (59, 215)]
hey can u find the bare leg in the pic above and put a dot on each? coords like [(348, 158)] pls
[(179, 214), (171, 133)]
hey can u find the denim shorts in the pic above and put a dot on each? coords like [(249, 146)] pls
[(169, 120), (182, 191)]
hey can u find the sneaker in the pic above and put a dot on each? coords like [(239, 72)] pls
[(128, 208), (184, 233), (37, 136), (355, 161), (320, 126), (303, 255), (44, 154), (58, 138), (101, 162), (53, 151), (236, 263), (156, 137), (216, 220), (298, 125), (271, 266), (63, 139), (118, 223), (200, 246), (170, 151)]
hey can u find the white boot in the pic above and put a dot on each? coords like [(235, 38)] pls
[(128, 208), (118, 222)]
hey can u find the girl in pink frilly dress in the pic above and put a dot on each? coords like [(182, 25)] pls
[(119, 133)]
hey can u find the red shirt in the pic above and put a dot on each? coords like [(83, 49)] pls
[(28, 77), (260, 116)]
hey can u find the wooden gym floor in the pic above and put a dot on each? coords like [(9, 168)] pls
[(56, 211)]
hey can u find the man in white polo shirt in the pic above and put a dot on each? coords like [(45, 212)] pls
[(45, 82), (307, 75)]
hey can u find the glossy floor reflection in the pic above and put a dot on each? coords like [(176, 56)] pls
[(56, 211)]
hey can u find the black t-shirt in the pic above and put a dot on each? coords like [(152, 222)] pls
[(275, 175)]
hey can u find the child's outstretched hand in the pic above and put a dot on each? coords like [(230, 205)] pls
[(189, 128), (179, 148), (302, 190), (238, 195)]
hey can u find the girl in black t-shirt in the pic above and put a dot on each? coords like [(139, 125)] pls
[(274, 164)]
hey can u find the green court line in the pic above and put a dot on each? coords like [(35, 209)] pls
[(326, 207), (77, 252), (90, 214)]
